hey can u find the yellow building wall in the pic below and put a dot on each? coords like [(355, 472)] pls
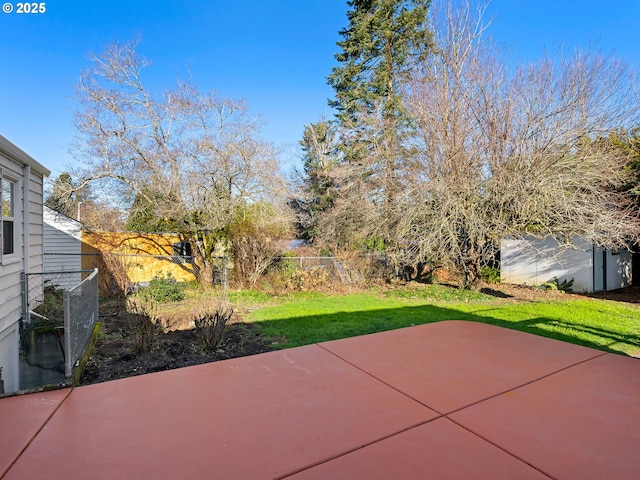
[(137, 252)]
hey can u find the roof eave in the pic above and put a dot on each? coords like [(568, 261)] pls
[(17, 154)]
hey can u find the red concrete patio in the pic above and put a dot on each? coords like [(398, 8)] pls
[(449, 400)]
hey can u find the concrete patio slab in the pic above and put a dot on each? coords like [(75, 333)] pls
[(450, 365), (21, 417), (512, 405), (438, 449), (248, 418), (581, 423)]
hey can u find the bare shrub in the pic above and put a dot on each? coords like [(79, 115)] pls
[(353, 268), (252, 257), (212, 320), (315, 278), (143, 324), (256, 236), (114, 278)]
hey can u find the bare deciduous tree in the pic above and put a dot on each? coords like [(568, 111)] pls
[(258, 233), (504, 155), (189, 158), (494, 153)]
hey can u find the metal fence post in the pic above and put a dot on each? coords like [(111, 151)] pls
[(67, 333), (97, 298), (24, 282)]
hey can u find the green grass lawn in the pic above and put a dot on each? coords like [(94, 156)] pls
[(311, 318)]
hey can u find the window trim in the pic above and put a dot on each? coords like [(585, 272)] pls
[(182, 252), (11, 256)]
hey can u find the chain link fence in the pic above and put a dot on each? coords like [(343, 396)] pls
[(309, 263), (122, 273), (64, 301), (80, 304), (40, 290), (349, 271)]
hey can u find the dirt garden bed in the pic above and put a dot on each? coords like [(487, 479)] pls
[(116, 355)]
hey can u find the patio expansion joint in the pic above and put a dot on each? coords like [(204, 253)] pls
[(369, 374), (355, 449), (448, 414), (517, 387), (504, 450), (35, 435), (377, 440), (445, 415)]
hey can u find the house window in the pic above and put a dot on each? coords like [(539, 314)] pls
[(7, 197), (182, 250)]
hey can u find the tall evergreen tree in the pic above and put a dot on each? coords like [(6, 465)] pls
[(317, 188), (382, 39)]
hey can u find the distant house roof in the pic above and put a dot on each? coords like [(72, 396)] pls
[(52, 213), (12, 151)]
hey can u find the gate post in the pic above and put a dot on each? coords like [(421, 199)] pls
[(24, 283), (67, 333)]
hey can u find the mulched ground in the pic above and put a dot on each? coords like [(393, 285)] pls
[(115, 357), (523, 293), (627, 295)]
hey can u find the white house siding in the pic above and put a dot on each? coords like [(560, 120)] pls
[(533, 261), (12, 265), (15, 164), (9, 338), (62, 243), (36, 237)]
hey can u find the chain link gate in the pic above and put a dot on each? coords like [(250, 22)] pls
[(64, 301), (80, 317)]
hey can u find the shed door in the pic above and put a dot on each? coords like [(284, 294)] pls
[(599, 269)]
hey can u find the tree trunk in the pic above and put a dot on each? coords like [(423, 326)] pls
[(206, 274), (471, 275)]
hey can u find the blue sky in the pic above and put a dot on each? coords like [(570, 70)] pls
[(276, 54)]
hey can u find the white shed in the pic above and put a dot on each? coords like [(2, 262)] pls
[(534, 261), (21, 187)]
